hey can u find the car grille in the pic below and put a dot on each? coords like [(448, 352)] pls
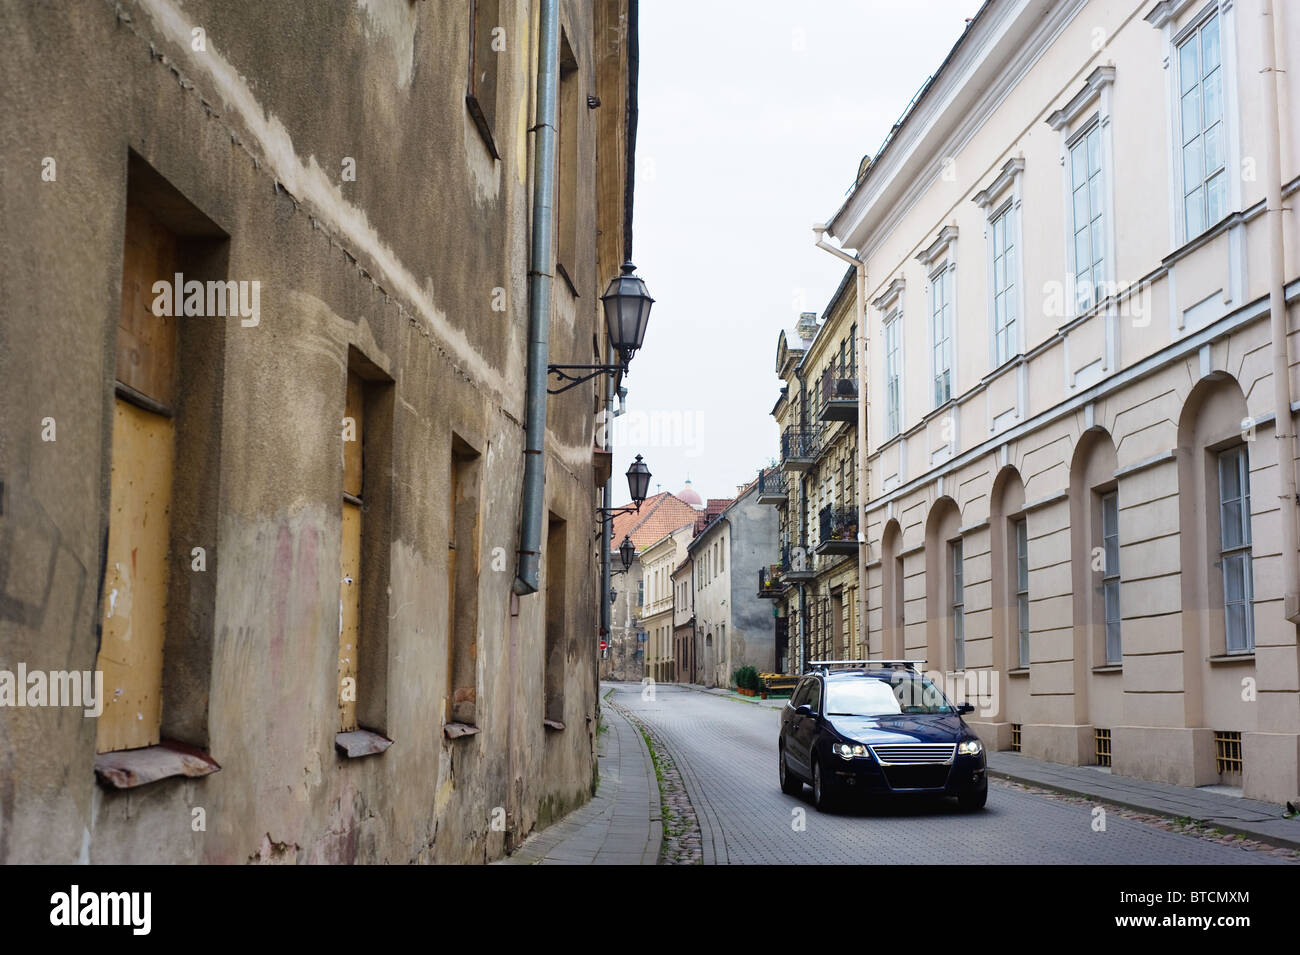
[(913, 754), (917, 777)]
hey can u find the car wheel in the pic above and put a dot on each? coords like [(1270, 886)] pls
[(821, 790), (976, 799), (791, 784)]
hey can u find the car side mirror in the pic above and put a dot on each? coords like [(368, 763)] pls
[(964, 708), (804, 709)]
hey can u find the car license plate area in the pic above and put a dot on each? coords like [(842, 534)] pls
[(917, 777)]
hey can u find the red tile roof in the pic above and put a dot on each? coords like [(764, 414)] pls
[(659, 516), (715, 507)]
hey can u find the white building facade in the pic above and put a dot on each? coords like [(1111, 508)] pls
[(1081, 289)]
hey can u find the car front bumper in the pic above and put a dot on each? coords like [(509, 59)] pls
[(964, 774)]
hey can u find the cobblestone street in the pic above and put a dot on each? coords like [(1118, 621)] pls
[(725, 752)]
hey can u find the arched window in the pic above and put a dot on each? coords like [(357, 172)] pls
[(1214, 443), (891, 572), (1009, 540), (943, 630), (1095, 550)]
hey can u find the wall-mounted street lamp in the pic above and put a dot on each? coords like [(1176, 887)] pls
[(638, 483), (627, 552), (627, 310)]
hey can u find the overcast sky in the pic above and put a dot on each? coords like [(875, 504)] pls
[(753, 118)]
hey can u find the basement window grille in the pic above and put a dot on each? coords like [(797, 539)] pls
[(1015, 737), (1102, 746), (1227, 752)]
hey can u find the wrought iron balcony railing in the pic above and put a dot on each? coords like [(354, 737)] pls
[(772, 488), (839, 393), (796, 562), (799, 448), (839, 530)]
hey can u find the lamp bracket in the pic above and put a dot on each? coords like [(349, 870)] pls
[(567, 373)]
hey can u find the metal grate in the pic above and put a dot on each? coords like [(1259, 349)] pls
[(909, 754), (1102, 746), (1227, 751), (1015, 737)]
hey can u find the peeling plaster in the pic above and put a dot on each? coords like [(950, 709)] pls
[(394, 20), (308, 182)]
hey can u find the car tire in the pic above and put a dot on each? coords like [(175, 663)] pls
[(791, 784), (822, 796), (975, 799)]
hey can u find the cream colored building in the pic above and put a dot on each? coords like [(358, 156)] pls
[(659, 560), (1079, 283)]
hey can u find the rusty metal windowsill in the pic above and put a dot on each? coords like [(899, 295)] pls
[(459, 731), (553, 724), (357, 743), (128, 768)]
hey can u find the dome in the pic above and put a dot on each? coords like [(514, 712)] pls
[(687, 495)]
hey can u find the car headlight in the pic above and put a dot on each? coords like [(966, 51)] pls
[(970, 747), (848, 750)]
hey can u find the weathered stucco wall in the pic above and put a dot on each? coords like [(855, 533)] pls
[(753, 539), (420, 264)]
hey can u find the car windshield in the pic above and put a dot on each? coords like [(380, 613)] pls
[(873, 696)]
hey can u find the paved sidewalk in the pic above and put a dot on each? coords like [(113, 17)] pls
[(1249, 817), (621, 825)]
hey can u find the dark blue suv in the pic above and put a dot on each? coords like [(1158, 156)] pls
[(878, 728)]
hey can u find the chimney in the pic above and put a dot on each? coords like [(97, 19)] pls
[(807, 327)]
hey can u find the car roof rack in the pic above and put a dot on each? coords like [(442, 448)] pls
[(824, 665)]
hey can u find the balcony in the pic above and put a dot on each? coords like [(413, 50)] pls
[(799, 448), (839, 530), (796, 564), (772, 487), (839, 394), (769, 582)]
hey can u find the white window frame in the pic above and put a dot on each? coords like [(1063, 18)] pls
[(996, 204), (1192, 41), (1237, 550), (890, 307), (1020, 541), (956, 556), (940, 262), (1083, 144), (1074, 122), (941, 331), (1003, 224), (893, 329), (1112, 613), (1166, 17)]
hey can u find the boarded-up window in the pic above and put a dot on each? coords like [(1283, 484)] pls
[(350, 578), (556, 620), (487, 43), (566, 201), (366, 520), (463, 547), (136, 571)]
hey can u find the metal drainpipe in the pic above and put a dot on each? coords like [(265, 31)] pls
[(607, 501), (864, 469), (1283, 425), (541, 269)]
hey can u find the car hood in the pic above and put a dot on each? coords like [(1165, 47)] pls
[(945, 728)]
